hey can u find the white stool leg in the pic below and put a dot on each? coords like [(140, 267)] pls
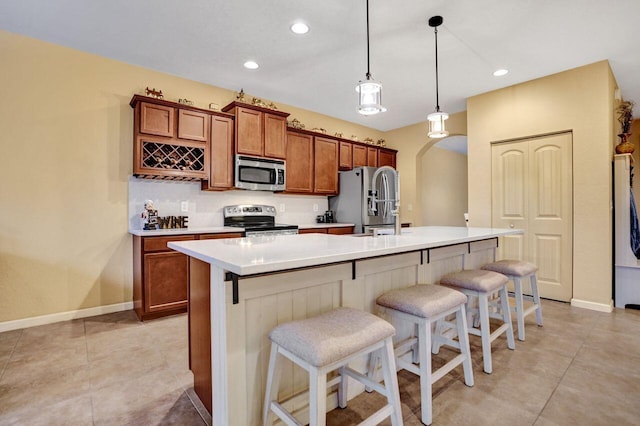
[(506, 316), (273, 382), (317, 397), (372, 364), (436, 343), (391, 381), (517, 281), (536, 297), (342, 388), (463, 338), (485, 332), (424, 337)]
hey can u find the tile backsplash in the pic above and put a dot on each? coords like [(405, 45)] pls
[(205, 207)]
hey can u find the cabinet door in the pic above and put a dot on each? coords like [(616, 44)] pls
[(166, 279), (359, 155), (372, 157), (249, 132), (326, 166), (193, 125), (299, 162), (275, 136), (345, 157), (221, 154), (157, 119), (386, 158)]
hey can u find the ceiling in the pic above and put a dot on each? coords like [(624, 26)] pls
[(209, 40)]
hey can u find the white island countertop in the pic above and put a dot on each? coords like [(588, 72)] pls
[(255, 255)]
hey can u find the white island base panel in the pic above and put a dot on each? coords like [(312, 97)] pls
[(239, 341)]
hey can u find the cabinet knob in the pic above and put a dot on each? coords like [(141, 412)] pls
[(511, 225)]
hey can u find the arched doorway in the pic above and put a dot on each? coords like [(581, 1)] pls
[(442, 188)]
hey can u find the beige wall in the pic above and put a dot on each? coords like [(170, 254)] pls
[(443, 187), (580, 100), (412, 144), (66, 130)]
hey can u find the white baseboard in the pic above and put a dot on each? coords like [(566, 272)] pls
[(600, 307), (64, 316)]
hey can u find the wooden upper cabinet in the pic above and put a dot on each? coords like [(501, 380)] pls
[(193, 125), (326, 166), (386, 158), (345, 157), (275, 136), (260, 132), (221, 155), (157, 120), (372, 157), (299, 177), (249, 131), (359, 155)]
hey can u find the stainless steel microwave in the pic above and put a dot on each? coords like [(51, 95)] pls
[(260, 174)]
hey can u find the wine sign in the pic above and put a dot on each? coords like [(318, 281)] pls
[(173, 222)]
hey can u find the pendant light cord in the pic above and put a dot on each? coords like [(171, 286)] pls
[(368, 70), (437, 95)]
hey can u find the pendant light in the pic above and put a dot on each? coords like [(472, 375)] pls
[(436, 119), (369, 90)]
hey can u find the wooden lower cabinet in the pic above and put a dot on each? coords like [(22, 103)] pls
[(161, 275)]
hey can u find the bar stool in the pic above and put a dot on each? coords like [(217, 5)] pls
[(485, 286), (423, 305), (325, 343), (517, 270)]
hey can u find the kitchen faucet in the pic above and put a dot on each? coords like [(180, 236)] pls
[(374, 200)]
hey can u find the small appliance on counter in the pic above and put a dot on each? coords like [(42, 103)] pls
[(256, 219)]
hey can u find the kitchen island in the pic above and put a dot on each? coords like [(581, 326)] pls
[(241, 288)]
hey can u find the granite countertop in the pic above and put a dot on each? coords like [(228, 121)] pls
[(253, 255)]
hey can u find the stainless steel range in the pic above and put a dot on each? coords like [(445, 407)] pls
[(256, 219)]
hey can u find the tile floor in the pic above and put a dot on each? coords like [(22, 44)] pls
[(581, 368)]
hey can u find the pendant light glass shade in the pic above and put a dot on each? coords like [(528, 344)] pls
[(436, 119), (369, 97), (369, 90), (436, 124)]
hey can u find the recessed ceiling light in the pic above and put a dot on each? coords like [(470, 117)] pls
[(252, 65), (500, 72), (300, 28)]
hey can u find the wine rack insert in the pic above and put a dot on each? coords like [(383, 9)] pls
[(164, 160)]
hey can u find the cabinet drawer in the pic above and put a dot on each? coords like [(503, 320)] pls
[(340, 231), (221, 235), (160, 243), (312, 231)]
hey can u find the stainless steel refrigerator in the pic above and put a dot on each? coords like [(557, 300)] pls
[(354, 204)]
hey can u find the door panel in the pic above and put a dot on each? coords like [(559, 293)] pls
[(532, 190)]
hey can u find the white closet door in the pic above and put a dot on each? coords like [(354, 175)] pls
[(532, 190)]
